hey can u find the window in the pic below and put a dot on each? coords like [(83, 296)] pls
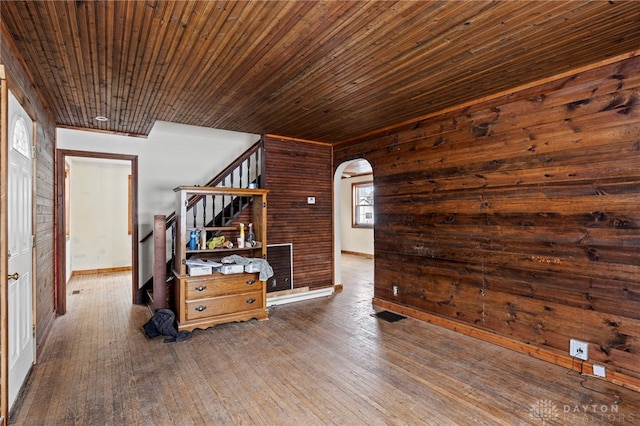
[(21, 137), (362, 195)]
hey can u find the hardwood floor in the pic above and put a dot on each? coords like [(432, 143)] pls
[(323, 361)]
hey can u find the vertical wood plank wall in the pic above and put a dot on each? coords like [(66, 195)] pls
[(520, 215), (21, 87), (296, 170)]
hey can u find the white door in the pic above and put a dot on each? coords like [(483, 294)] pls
[(20, 243)]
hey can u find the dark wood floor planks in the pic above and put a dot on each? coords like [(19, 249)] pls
[(324, 361)]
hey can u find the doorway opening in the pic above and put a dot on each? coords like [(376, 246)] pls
[(353, 224), (62, 158)]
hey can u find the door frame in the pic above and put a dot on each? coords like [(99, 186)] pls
[(60, 208), (4, 263)]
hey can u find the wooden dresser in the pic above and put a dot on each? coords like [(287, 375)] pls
[(206, 300), (215, 299)]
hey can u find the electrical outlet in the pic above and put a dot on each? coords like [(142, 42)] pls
[(395, 290), (579, 349), (599, 370)]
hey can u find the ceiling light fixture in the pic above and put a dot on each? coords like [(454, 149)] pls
[(101, 118)]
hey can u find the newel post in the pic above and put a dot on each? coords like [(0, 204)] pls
[(159, 262)]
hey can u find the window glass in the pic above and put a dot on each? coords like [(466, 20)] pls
[(363, 204), (21, 138)]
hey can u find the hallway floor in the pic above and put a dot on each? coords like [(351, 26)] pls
[(322, 361)]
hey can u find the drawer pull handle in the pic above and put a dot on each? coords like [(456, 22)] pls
[(201, 308), (201, 287), (251, 301), (249, 282)]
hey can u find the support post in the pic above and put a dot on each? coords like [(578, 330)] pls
[(159, 262)]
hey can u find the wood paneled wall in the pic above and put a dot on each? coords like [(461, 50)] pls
[(19, 84), (520, 215), (296, 170)]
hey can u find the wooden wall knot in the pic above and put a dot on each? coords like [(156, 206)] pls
[(482, 129), (449, 219), (538, 98), (440, 141), (611, 323), (622, 103), (572, 106), (620, 342), (619, 223), (447, 302)]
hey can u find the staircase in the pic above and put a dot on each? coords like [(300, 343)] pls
[(219, 211)]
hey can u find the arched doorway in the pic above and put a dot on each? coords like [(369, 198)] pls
[(352, 172)]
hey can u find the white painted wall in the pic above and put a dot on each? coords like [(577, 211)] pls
[(172, 155), (68, 269), (358, 240), (98, 213)]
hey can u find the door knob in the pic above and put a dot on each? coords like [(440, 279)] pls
[(13, 276)]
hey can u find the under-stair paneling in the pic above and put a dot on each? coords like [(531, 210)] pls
[(519, 215), (294, 171), (45, 133)]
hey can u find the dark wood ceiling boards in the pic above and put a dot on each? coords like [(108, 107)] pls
[(324, 71)]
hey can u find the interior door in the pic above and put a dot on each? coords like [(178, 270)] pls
[(21, 345)]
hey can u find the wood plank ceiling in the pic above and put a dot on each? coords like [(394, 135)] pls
[(318, 70)]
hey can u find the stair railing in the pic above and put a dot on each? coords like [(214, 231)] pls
[(245, 172)]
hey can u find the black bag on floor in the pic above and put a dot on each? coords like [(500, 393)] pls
[(163, 323)]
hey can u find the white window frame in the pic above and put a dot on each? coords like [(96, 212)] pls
[(362, 205)]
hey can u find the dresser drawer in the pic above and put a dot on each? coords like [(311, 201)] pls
[(221, 305), (219, 285)]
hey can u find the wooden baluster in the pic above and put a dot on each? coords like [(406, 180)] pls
[(213, 207), (204, 210), (195, 212), (222, 211), (258, 173), (231, 197)]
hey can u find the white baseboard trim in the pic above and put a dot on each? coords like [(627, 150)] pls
[(298, 297)]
